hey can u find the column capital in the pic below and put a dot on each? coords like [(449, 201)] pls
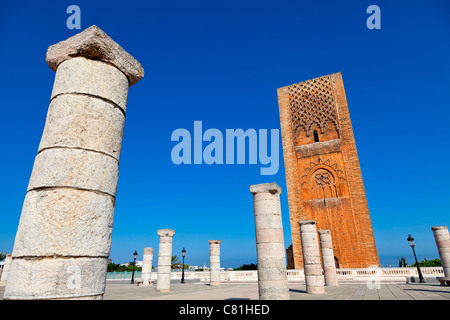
[(272, 188), (306, 222), (214, 241), (439, 228), (166, 232), (93, 43)]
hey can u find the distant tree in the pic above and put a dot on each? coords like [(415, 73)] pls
[(402, 262), (122, 268), (175, 263), (130, 265), (113, 267), (2, 255), (428, 263), (250, 266)]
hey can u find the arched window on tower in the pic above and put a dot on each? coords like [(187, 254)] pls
[(316, 136)]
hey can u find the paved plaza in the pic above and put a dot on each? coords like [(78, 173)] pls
[(237, 291), (123, 290)]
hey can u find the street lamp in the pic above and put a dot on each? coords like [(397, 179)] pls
[(183, 253), (412, 244), (135, 254)]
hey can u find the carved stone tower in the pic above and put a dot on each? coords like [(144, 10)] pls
[(323, 175)]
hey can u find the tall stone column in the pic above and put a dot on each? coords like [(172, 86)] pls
[(64, 235), (311, 257), (214, 261), (329, 266), (164, 260), (442, 238), (6, 268), (147, 266), (271, 256)]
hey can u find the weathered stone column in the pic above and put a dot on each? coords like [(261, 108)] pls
[(442, 238), (271, 256), (214, 261), (311, 257), (329, 266), (64, 234), (164, 260), (6, 268), (147, 266)]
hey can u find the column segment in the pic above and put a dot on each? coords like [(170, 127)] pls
[(271, 254), (442, 238), (5, 271), (164, 259), (214, 258), (329, 266), (147, 266), (64, 235), (311, 257)]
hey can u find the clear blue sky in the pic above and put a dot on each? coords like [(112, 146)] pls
[(221, 63)]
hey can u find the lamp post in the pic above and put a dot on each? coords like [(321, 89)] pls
[(412, 244), (135, 254), (183, 253)]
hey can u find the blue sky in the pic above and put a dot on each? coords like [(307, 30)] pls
[(221, 63)]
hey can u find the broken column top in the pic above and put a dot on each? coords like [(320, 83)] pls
[(439, 228), (273, 188), (324, 231), (306, 222), (93, 43), (214, 241), (166, 232)]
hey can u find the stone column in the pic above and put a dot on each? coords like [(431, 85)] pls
[(164, 260), (64, 235), (147, 266), (311, 257), (271, 256), (442, 238), (329, 267), (214, 260), (6, 268)]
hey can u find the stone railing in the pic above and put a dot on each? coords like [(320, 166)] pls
[(122, 275), (297, 275), (407, 272)]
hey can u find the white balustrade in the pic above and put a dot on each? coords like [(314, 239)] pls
[(297, 275)]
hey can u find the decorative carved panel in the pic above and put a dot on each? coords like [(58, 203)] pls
[(312, 105), (324, 180)]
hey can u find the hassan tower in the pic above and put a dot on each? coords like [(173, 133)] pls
[(323, 174)]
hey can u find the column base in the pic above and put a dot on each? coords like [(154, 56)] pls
[(315, 290), (331, 283), (444, 281), (144, 283)]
